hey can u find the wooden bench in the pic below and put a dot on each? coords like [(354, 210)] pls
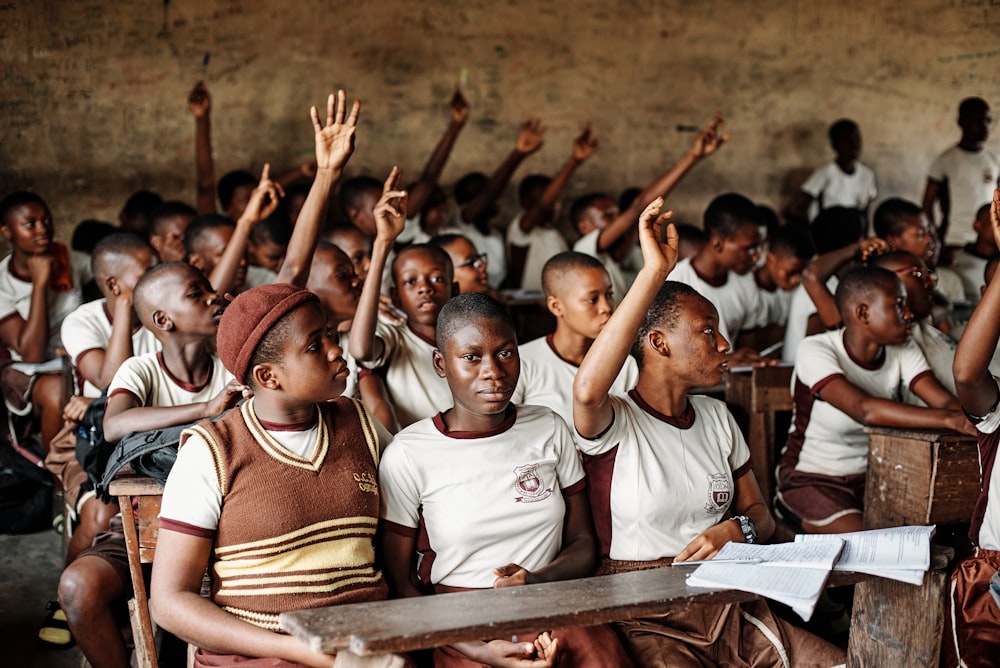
[(755, 397), (386, 627)]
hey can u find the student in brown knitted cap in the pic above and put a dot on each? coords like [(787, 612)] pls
[(297, 459)]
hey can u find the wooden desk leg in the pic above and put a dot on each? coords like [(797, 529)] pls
[(142, 624), (760, 441)]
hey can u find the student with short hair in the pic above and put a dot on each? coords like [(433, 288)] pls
[(167, 224), (134, 216), (268, 242), (971, 259), (471, 266), (848, 379), (789, 250)]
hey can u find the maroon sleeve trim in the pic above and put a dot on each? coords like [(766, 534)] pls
[(122, 390), (399, 529), (918, 377), (600, 435), (577, 487), (185, 528), (820, 384), (742, 471)]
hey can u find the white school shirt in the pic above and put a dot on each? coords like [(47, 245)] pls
[(415, 389), (657, 482), (989, 530), (831, 186), (737, 300), (971, 177), (799, 311), (352, 366), (542, 243), (148, 380), (776, 305), (970, 268), (939, 351), (950, 284), (15, 298), (587, 244), (88, 328), (487, 499), (258, 276), (824, 439), (547, 379), (492, 244)]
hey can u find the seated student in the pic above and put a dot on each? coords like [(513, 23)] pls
[(134, 216), (848, 379), (539, 531), (167, 224), (182, 383), (352, 241), (971, 259), (424, 282), (578, 293), (471, 266), (40, 283), (844, 182), (963, 178), (298, 430), (532, 238), (789, 250), (268, 242), (973, 615), (606, 233), (683, 450), (721, 271)]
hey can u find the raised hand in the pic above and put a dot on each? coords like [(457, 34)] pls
[(658, 238), (584, 145), (199, 101), (265, 197), (995, 216), (335, 142), (390, 210), (530, 136), (709, 140), (459, 107), (869, 248)]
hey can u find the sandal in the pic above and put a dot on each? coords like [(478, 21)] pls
[(54, 632)]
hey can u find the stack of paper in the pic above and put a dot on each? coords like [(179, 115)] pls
[(792, 573), (899, 553)]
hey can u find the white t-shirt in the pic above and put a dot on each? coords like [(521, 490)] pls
[(971, 177), (939, 351), (486, 499), (542, 243), (547, 379), (832, 187), (989, 532), (352, 366), (970, 269), (88, 328), (587, 244), (827, 440), (492, 244), (801, 307), (258, 276), (15, 298), (657, 482), (415, 389), (950, 284), (737, 300), (147, 379), (776, 304)]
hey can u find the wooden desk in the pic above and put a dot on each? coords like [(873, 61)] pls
[(755, 396), (920, 477)]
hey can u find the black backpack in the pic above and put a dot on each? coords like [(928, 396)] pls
[(92, 451), (25, 492)]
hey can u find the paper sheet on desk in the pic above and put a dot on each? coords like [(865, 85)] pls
[(791, 573), (54, 365), (899, 553)]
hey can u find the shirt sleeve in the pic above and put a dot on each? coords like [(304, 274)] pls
[(398, 487), (135, 377), (816, 361), (939, 168), (587, 244), (816, 183), (191, 498), (912, 362), (739, 454), (390, 335), (515, 235), (569, 468), (611, 436), (80, 333)]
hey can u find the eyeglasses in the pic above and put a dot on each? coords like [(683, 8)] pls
[(476, 261), (929, 278)]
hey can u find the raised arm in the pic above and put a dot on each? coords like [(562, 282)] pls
[(583, 147), (390, 218), (592, 412), (459, 108), (200, 104), (334, 146), (529, 140), (821, 268), (29, 338), (706, 143), (976, 388)]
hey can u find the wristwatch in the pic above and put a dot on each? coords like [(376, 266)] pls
[(748, 527)]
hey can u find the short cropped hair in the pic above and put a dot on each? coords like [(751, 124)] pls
[(275, 229), (836, 228), (141, 203), (793, 240), (271, 349), (563, 263), (201, 224), (841, 129), (109, 251), (445, 240), (168, 210), (581, 204), (689, 232), (353, 190), (144, 298), (729, 212), (88, 232), (463, 309), (530, 183), (663, 313), (438, 254), (16, 199), (972, 105), (891, 217), (861, 283), (230, 182), (470, 185)]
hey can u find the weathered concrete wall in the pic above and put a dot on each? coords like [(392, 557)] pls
[(92, 100)]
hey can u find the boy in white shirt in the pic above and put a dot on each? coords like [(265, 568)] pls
[(970, 261)]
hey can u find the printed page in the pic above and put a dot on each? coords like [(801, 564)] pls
[(899, 553)]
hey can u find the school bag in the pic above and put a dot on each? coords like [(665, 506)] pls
[(92, 451), (25, 492)]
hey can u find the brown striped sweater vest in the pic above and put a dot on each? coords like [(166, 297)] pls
[(294, 533)]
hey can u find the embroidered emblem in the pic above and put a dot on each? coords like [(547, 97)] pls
[(366, 482), (529, 485), (719, 493)]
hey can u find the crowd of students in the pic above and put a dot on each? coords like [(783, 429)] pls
[(379, 415)]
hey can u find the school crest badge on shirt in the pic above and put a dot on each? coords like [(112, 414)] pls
[(720, 493), (529, 485)]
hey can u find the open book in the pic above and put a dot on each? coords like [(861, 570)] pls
[(792, 573), (899, 553)]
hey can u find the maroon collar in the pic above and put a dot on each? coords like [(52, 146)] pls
[(550, 339), (304, 425), (187, 387), (683, 421), (508, 421)]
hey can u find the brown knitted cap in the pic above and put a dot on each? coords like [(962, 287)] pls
[(249, 317)]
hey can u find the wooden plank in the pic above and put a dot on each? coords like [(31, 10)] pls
[(955, 481), (142, 624), (431, 621), (134, 485), (936, 435), (772, 389)]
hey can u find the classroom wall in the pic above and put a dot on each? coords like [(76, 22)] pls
[(93, 94)]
